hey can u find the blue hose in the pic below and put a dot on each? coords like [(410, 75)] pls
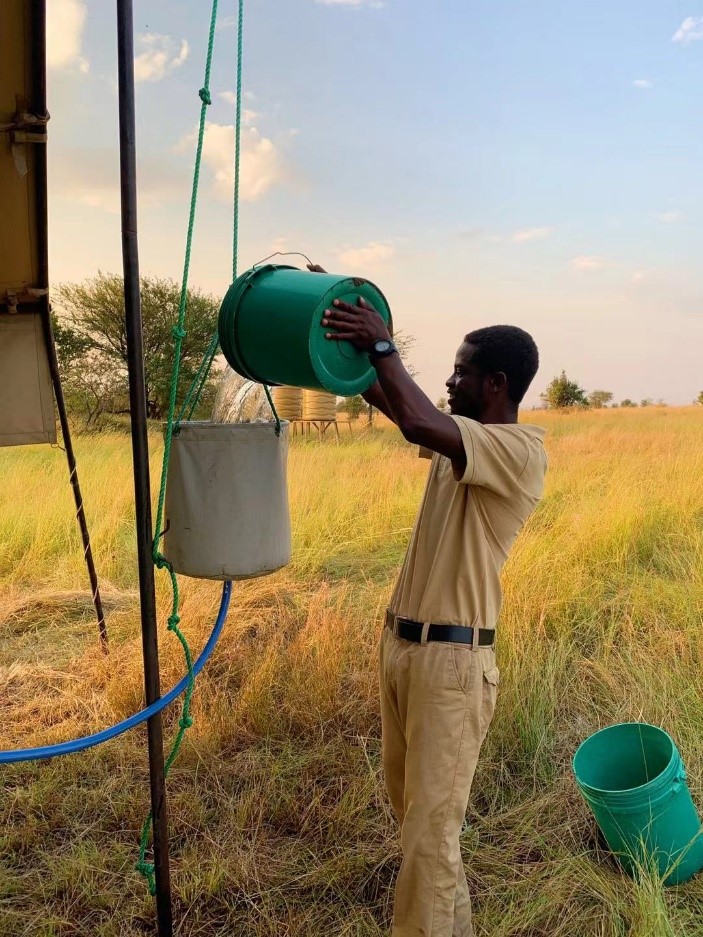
[(88, 741)]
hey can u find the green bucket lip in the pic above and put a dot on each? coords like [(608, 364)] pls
[(589, 789), (233, 296), (331, 382)]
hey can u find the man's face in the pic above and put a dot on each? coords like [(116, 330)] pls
[(466, 385)]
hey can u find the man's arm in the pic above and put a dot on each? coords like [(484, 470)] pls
[(375, 396), (416, 416), (420, 422)]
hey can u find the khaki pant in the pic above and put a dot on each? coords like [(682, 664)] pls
[(437, 701)]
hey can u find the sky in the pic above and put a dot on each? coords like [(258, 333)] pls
[(482, 161)]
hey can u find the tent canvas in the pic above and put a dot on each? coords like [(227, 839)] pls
[(26, 394)]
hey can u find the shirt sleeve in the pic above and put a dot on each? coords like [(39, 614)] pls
[(495, 459)]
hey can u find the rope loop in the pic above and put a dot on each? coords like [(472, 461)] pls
[(173, 622), (205, 96), (185, 722), (148, 871), (178, 332)]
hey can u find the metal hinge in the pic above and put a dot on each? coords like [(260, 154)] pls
[(25, 128), (22, 296)]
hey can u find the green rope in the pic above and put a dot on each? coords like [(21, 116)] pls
[(143, 867), (200, 380), (192, 398), (237, 140), (237, 160)]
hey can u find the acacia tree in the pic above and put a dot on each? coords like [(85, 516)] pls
[(699, 400), (599, 399), (352, 406), (91, 339), (563, 393)]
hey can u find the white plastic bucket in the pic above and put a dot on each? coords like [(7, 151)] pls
[(227, 511)]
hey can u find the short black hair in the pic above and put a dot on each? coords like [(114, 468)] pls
[(508, 349)]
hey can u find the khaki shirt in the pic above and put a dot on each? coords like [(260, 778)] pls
[(465, 528)]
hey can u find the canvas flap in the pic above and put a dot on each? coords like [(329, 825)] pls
[(26, 395)]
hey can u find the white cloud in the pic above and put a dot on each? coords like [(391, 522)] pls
[(161, 55), (523, 236), (588, 262), (669, 217), (248, 115), (531, 234), (262, 164), (689, 31), (639, 276), (65, 25), (643, 84), (371, 255)]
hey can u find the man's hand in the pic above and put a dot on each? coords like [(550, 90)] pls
[(361, 324)]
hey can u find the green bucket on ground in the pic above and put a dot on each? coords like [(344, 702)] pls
[(271, 329), (632, 777)]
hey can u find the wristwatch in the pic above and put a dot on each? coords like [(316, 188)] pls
[(382, 349)]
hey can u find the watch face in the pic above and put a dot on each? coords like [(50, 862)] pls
[(383, 345)]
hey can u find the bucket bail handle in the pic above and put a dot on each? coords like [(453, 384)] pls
[(283, 254), (273, 409)]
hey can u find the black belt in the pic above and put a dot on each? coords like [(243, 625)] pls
[(410, 630)]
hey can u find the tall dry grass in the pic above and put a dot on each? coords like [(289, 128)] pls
[(280, 827)]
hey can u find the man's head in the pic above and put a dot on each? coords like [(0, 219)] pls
[(492, 371)]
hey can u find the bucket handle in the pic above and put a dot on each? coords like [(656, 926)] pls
[(283, 254), (276, 417)]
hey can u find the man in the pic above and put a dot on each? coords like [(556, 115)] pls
[(439, 679)]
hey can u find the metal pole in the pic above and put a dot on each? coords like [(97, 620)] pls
[(38, 107), (140, 450), (73, 472)]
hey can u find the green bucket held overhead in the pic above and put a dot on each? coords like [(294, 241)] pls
[(271, 329), (632, 777)]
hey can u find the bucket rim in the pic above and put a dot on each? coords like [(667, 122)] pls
[(332, 383), (231, 302), (187, 426), (592, 789)]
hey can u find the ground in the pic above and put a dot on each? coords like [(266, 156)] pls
[(279, 823)]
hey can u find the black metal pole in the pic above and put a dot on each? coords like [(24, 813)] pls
[(140, 451), (38, 107), (73, 472)]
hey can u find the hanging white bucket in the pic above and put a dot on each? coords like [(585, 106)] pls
[(227, 500)]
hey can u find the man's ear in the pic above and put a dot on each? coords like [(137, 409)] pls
[(498, 381)]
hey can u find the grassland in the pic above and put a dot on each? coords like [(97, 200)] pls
[(280, 827)]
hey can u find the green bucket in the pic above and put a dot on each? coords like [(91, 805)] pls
[(271, 329), (632, 777)]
